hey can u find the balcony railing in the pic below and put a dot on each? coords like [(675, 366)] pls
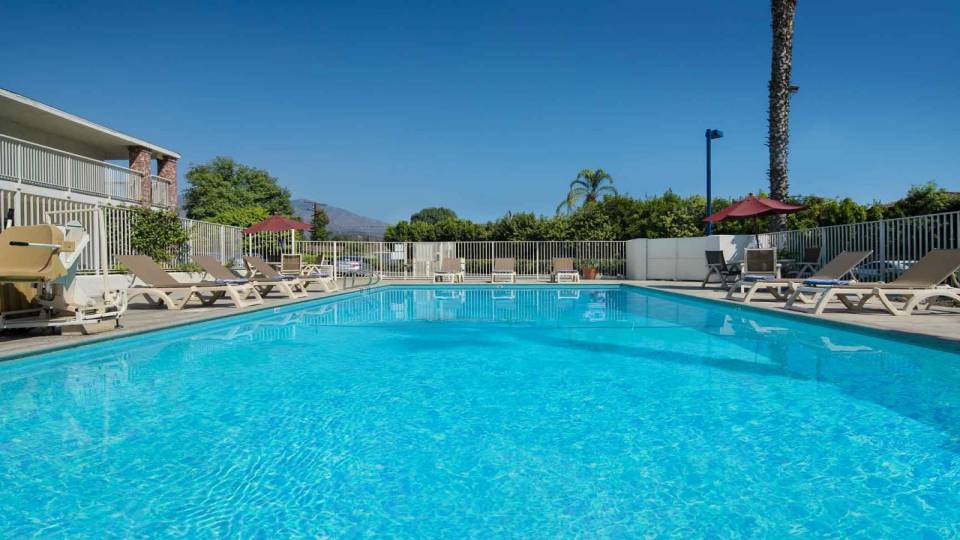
[(159, 191), (29, 163)]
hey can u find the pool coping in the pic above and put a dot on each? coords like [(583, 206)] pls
[(931, 341), (951, 344), (215, 316)]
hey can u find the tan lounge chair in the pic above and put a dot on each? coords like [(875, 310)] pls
[(503, 271), (291, 264), (264, 286), (268, 277), (563, 270), (919, 283), (161, 285), (831, 274), (449, 271)]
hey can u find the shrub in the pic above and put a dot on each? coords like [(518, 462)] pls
[(157, 234)]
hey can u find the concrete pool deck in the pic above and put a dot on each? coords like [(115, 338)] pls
[(940, 323)]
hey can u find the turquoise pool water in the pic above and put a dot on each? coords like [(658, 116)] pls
[(485, 412)]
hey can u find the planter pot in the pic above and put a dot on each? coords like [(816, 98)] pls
[(588, 272)]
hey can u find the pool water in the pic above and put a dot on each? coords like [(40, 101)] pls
[(536, 412)]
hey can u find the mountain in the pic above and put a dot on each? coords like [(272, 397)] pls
[(342, 222)]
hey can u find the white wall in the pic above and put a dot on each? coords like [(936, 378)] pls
[(680, 258), (93, 285)]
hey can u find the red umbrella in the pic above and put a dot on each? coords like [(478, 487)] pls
[(276, 224), (753, 206)]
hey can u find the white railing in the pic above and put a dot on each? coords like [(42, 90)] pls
[(419, 260), (896, 243), (30, 163), (221, 241), (159, 191)]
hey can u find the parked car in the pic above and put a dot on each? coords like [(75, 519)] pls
[(350, 264), (882, 270)]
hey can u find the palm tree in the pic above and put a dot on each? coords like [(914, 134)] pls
[(783, 13), (589, 186)]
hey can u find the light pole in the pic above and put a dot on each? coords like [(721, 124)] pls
[(710, 135)]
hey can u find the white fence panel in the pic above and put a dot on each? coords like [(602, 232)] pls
[(896, 243), (419, 260)]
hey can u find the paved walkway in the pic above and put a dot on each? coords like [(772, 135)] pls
[(941, 323)]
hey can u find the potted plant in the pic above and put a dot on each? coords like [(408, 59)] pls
[(588, 269)]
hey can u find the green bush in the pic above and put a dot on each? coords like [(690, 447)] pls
[(157, 234)]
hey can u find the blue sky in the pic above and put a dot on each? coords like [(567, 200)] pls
[(384, 108)]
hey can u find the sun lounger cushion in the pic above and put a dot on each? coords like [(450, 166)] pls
[(232, 281), (750, 278), (826, 281)]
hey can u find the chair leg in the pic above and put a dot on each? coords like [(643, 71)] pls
[(706, 279), (792, 298), (824, 300), (908, 306)]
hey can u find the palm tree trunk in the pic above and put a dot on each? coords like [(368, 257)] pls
[(783, 12)]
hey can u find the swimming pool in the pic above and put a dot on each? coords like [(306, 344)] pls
[(488, 412)]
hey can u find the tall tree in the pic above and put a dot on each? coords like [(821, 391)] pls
[(318, 224), (433, 215), (223, 184), (783, 13), (588, 187)]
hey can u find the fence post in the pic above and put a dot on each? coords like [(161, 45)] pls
[(882, 249), (223, 243), (335, 265)]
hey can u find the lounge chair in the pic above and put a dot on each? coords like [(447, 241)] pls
[(758, 265), (161, 285), (563, 271), (809, 264), (268, 278), (264, 285), (44, 258), (919, 283), (831, 274), (450, 270), (717, 264), (291, 264), (503, 271)]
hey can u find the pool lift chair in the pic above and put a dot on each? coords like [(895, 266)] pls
[(46, 256)]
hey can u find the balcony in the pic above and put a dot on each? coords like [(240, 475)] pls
[(159, 191), (25, 162)]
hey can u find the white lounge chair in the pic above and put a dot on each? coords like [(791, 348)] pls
[(504, 271), (160, 287), (919, 283), (758, 265), (563, 271), (832, 273), (451, 270), (291, 264)]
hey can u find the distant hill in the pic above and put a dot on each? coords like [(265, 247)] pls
[(342, 222)]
